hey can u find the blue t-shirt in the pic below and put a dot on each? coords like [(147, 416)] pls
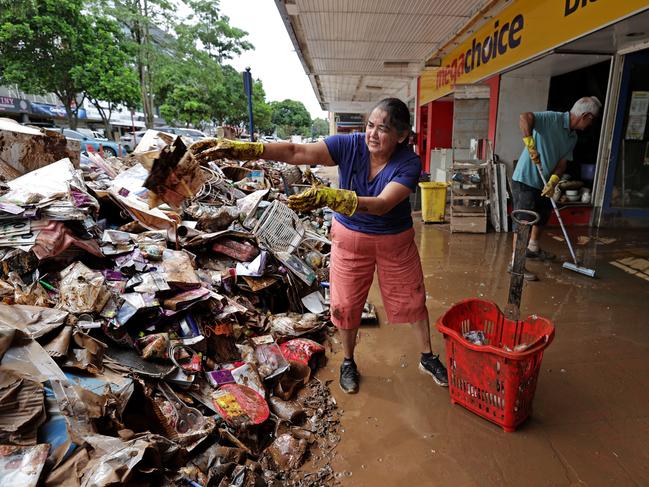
[(554, 141), (353, 158)]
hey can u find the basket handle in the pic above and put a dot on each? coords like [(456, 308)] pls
[(536, 346)]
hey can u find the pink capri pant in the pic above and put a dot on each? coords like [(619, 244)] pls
[(354, 258)]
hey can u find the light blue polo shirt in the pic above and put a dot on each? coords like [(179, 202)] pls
[(554, 141)]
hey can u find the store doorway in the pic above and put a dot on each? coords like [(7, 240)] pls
[(565, 90)]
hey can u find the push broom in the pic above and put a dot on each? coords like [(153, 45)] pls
[(574, 265)]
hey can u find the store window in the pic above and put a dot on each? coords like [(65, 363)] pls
[(631, 186)]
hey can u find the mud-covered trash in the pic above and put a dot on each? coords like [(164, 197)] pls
[(247, 375), (211, 218), (154, 346), (240, 406), (139, 461), (521, 347), (271, 362), (179, 270), (289, 411), (167, 298), (295, 324), (22, 408), (292, 380), (303, 350), (477, 337), (175, 176), (34, 294), (241, 251), (22, 465), (287, 452), (82, 290), (23, 149)]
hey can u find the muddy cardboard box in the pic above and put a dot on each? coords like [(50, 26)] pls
[(23, 149)]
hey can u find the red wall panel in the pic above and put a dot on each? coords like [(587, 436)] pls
[(494, 86)]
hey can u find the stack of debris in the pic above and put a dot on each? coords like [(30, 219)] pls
[(161, 320)]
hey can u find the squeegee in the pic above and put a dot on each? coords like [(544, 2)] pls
[(574, 265)]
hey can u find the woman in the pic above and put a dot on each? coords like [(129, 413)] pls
[(372, 228)]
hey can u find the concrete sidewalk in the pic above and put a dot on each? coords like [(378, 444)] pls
[(590, 422)]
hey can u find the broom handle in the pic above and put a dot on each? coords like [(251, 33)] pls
[(556, 211)]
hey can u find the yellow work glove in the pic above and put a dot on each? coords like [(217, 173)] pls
[(339, 200), (211, 149), (548, 189), (531, 149)]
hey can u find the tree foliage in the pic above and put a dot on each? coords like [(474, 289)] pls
[(290, 117), (211, 31), (53, 46), (185, 91), (320, 127), (40, 45), (137, 53), (145, 22), (108, 74)]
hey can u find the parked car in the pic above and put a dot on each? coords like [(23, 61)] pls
[(193, 133), (130, 140), (91, 133), (185, 132), (109, 147)]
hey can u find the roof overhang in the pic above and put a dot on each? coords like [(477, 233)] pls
[(356, 52)]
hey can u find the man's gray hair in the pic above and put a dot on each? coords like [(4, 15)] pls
[(587, 104)]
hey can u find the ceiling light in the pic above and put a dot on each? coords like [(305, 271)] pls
[(396, 64)]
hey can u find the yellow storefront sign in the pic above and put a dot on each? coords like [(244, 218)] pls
[(521, 31)]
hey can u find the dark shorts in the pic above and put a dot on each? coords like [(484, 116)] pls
[(528, 198)]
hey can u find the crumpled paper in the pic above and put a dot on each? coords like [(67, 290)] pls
[(82, 290)]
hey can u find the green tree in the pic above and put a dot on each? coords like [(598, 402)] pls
[(162, 37), (108, 74), (229, 102), (211, 31), (40, 45), (290, 117), (186, 89), (231, 105), (261, 110), (145, 22), (320, 127)]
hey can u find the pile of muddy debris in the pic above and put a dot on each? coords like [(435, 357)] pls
[(162, 316)]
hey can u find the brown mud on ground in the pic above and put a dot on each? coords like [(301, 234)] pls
[(590, 421)]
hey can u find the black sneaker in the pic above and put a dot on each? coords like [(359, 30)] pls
[(539, 255), (349, 377), (527, 275), (432, 366)]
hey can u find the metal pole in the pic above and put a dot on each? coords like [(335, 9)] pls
[(247, 86)]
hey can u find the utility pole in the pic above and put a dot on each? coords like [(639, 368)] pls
[(247, 86)]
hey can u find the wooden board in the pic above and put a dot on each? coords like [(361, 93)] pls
[(468, 224), (494, 198), (501, 170)]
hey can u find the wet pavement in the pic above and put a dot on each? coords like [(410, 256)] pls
[(590, 421)]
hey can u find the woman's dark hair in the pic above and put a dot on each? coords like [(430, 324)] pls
[(398, 115)]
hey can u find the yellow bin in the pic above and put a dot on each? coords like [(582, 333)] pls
[(433, 201)]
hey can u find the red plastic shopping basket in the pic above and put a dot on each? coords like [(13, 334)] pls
[(490, 380)]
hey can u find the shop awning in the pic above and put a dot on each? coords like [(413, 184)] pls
[(356, 53)]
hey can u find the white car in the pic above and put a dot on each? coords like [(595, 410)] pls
[(93, 134), (130, 140), (192, 134)]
